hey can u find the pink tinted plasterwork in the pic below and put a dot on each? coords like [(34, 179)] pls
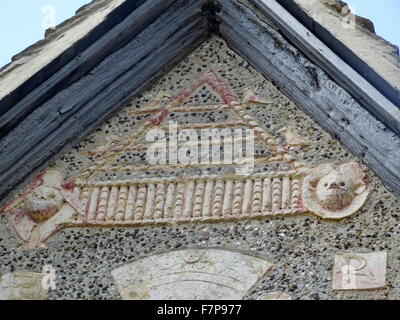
[(49, 204)]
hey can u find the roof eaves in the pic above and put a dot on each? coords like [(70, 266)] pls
[(41, 60)]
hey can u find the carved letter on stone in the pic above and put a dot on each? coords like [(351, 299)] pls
[(191, 274), (49, 204), (358, 271)]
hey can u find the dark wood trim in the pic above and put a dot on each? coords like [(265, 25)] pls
[(312, 89), (78, 109), (370, 98), (82, 94), (113, 19), (345, 53), (112, 41)]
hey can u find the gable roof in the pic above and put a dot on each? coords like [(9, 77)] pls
[(68, 98)]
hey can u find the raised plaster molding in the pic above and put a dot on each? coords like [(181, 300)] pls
[(197, 199), (359, 271), (292, 137), (275, 295), (22, 286), (191, 274), (49, 204)]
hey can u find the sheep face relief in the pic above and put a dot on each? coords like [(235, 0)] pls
[(45, 200), (328, 191), (335, 191)]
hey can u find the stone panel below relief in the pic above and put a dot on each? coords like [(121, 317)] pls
[(105, 206), (192, 274)]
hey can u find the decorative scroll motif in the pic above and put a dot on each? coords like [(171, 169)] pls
[(358, 271), (49, 204), (191, 274)]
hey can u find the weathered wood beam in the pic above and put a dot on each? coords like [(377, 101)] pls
[(84, 62), (370, 98), (112, 19), (312, 89), (77, 110), (344, 52)]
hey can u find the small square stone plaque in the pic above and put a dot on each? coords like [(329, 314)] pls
[(359, 271)]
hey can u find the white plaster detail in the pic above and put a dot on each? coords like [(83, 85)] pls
[(50, 204), (22, 286), (332, 191), (293, 138), (191, 274), (359, 271), (275, 295)]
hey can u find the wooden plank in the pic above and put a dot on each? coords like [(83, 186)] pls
[(148, 58), (312, 89), (113, 19), (344, 52), (66, 103), (372, 100), (75, 69)]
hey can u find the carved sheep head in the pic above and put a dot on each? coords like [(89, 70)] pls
[(45, 200), (335, 191)]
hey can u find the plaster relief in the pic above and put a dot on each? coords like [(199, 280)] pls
[(275, 295), (335, 191), (22, 286), (292, 137), (359, 271), (192, 274), (92, 198)]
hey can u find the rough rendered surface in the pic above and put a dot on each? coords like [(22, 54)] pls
[(382, 56), (300, 247), (92, 198)]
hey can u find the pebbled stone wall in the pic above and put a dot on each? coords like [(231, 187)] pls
[(301, 248)]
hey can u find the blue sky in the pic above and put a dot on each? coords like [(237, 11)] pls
[(22, 22), (383, 13)]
